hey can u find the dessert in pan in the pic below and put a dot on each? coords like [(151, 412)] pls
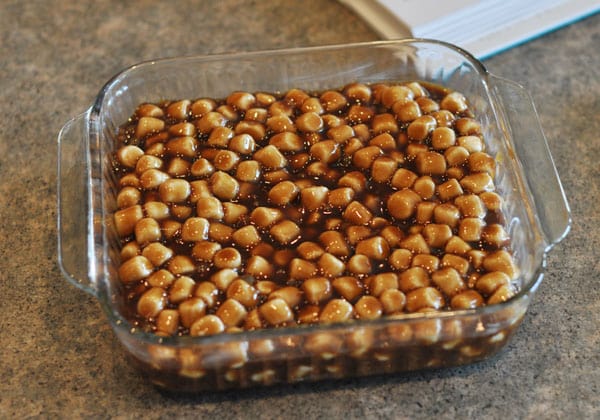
[(306, 214), (266, 210)]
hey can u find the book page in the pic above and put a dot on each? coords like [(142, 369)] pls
[(482, 27), (421, 12)]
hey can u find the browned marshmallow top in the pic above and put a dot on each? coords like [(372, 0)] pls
[(262, 210)]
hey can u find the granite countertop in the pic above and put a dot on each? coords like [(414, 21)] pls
[(59, 355)]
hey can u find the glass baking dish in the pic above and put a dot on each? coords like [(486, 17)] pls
[(535, 208)]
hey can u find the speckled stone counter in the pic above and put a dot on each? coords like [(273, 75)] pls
[(59, 356)]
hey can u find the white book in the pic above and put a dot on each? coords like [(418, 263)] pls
[(482, 27)]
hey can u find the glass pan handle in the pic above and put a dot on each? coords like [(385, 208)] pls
[(536, 161), (73, 203)]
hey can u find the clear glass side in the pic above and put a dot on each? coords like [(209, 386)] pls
[(312, 69), (276, 71), (294, 355)]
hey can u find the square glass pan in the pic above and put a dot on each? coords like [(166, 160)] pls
[(535, 209)]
